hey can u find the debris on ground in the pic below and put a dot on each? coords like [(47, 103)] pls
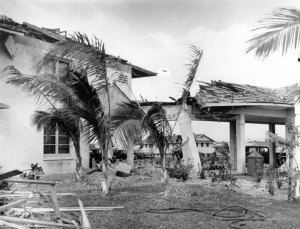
[(39, 207)]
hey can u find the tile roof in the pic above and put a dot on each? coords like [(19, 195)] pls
[(222, 92)]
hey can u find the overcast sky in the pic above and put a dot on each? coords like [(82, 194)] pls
[(156, 35)]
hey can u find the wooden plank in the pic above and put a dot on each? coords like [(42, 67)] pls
[(55, 203), (70, 209), (10, 174), (12, 204), (26, 194), (13, 225), (31, 182), (38, 222), (85, 219)]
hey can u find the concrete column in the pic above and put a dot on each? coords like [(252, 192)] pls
[(240, 144), (232, 134), (272, 147), (189, 150)]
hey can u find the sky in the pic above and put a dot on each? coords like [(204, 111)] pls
[(157, 34)]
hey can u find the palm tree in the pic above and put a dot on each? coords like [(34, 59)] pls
[(131, 123), (278, 32), (89, 56)]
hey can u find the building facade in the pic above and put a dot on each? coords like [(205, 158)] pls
[(22, 46)]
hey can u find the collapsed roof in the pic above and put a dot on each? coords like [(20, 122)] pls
[(56, 35), (219, 92)]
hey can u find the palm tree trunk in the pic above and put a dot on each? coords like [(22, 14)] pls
[(130, 154), (290, 161), (104, 183), (164, 178), (76, 143), (79, 170)]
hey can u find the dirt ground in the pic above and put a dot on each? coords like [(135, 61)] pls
[(143, 191)]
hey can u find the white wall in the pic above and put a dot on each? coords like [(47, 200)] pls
[(20, 143)]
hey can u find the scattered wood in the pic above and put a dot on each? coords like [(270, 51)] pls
[(27, 216)]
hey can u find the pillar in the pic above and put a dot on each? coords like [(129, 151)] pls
[(272, 146), (189, 150), (240, 144), (232, 135)]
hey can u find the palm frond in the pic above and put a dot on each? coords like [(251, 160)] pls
[(84, 52), (127, 131), (192, 70), (42, 87), (156, 124), (280, 31), (61, 119)]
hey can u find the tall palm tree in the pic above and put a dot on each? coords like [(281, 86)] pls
[(278, 32), (131, 123), (89, 54)]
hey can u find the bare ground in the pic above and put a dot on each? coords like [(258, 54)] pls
[(142, 192)]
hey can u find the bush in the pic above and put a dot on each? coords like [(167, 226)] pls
[(180, 171)]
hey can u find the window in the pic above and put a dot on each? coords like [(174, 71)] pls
[(201, 144), (56, 67), (197, 144), (55, 143), (207, 144)]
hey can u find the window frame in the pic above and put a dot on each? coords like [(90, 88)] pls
[(56, 144), (56, 64)]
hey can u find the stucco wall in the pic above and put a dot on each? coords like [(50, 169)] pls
[(20, 143)]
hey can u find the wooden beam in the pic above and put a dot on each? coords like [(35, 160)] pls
[(53, 198), (12, 204), (85, 219), (13, 225), (71, 209), (31, 182), (39, 222)]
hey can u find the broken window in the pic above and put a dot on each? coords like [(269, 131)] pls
[(55, 142), (56, 67)]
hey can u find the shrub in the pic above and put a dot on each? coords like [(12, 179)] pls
[(180, 171)]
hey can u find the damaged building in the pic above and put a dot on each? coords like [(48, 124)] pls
[(23, 45)]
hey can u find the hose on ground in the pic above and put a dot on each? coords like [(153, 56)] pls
[(235, 214)]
